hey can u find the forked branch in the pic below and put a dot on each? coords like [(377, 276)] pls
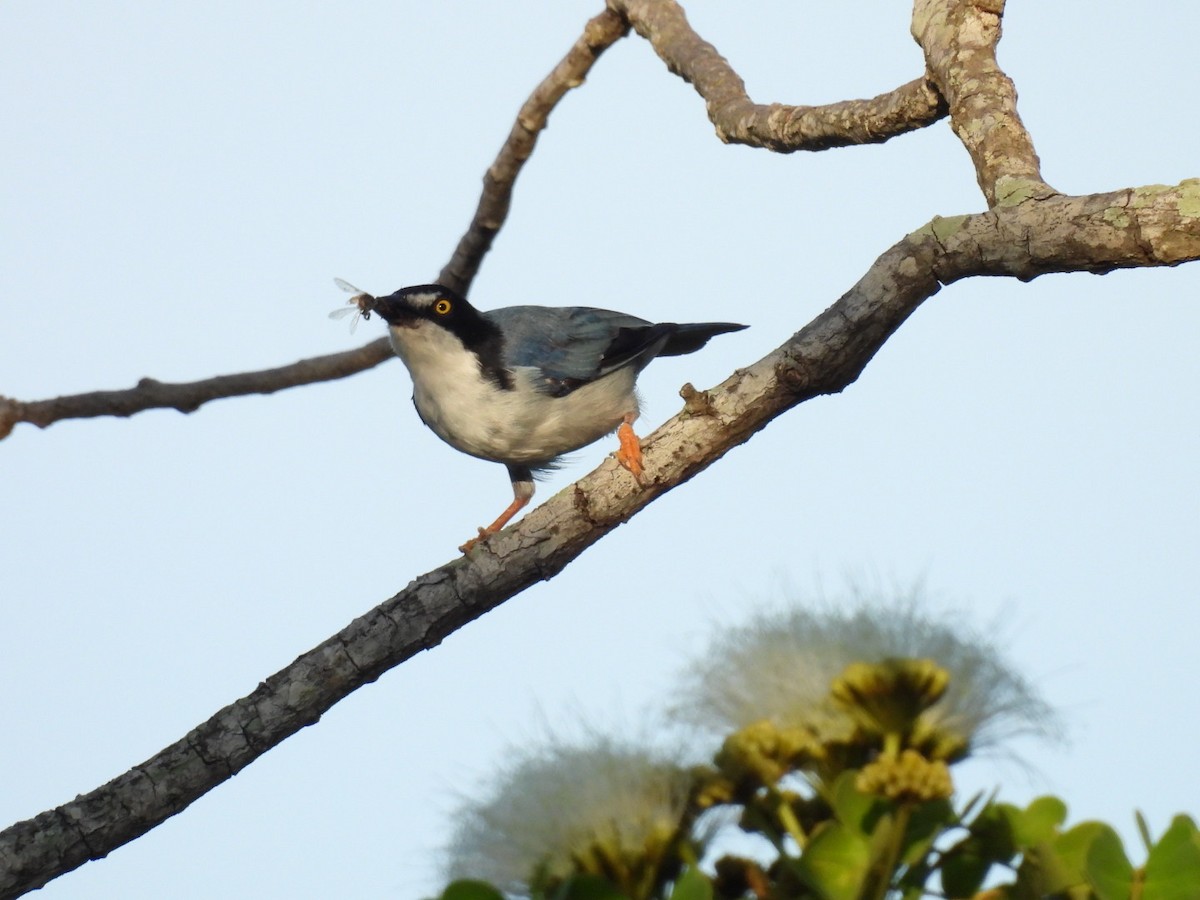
[(599, 34), (775, 126), (959, 38)]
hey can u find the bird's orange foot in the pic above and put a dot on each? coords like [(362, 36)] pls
[(629, 454), (515, 507), (483, 535)]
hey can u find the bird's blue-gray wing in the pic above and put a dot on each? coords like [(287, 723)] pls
[(572, 345)]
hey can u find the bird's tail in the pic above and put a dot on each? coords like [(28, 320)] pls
[(690, 338)]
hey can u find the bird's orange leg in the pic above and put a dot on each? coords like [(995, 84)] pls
[(522, 494), (629, 454)]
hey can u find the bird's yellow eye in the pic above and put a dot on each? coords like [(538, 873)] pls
[(442, 306)]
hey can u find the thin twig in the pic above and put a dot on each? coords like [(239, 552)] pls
[(784, 129), (189, 396), (599, 33)]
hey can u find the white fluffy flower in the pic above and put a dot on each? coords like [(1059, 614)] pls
[(779, 669), (557, 811)]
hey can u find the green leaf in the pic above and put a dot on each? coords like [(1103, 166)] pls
[(1143, 829), (1173, 866), (963, 870), (588, 887), (692, 885), (850, 805), (1039, 821), (1009, 813), (928, 823), (1072, 848), (1058, 866), (1108, 868), (970, 805), (835, 862), (993, 829), (965, 865), (471, 890)]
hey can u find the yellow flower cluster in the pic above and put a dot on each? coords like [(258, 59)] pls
[(764, 753), (908, 776)]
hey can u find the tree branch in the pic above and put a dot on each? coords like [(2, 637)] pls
[(959, 39), (599, 34), (1137, 227), (784, 129), (189, 396)]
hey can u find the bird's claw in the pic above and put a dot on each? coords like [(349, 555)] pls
[(483, 535), (629, 454)]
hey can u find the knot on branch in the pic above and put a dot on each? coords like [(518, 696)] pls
[(794, 373), (696, 403)]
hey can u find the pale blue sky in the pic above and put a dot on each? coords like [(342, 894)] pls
[(181, 183)]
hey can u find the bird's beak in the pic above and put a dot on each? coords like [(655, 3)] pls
[(393, 311)]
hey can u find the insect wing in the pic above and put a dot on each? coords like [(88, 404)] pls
[(354, 305), (351, 310)]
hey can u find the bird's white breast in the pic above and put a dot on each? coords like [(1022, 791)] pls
[(521, 426)]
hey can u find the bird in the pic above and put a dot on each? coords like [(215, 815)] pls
[(523, 385)]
